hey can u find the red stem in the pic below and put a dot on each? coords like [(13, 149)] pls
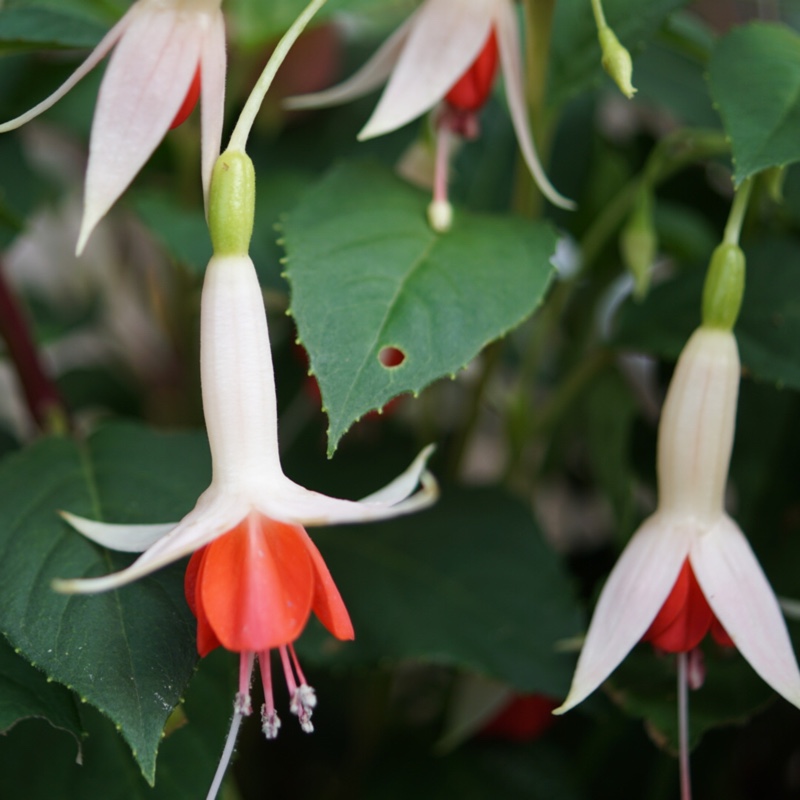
[(41, 395)]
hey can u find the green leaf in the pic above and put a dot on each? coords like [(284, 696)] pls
[(34, 28), (471, 583), (575, 60), (755, 82), (25, 692), (129, 653), (768, 330), (186, 762), (367, 273)]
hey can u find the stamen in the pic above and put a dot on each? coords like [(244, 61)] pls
[(270, 722), (696, 672), (304, 700), (440, 212), (242, 704)]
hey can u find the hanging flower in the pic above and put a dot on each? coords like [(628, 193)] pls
[(446, 52), (168, 53), (255, 575), (688, 569)]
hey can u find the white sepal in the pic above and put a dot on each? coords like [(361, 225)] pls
[(213, 68), (125, 538)]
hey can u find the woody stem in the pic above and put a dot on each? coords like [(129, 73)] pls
[(683, 726)]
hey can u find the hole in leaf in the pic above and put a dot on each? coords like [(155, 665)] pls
[(391, 357)]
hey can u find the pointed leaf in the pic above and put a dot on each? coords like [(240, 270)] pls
[(469, 583), (129, 653), (368, 273), (27, 28), (25, 692), (755, 81)]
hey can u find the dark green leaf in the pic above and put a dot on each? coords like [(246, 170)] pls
[(755, 82), (46, 28), (25, 692), (131, 652), (367, 273), (470, 583)]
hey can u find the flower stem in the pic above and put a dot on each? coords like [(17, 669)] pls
[(41, 394), (683, 726), (733, 227), (253, 105), (226, 756)]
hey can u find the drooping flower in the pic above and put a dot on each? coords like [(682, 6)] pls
[(689, 569), (255, 575), (168, 53), (447, 53)]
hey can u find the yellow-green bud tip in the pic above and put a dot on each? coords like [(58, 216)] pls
[(231, 204), (616, 61), (724, 287)]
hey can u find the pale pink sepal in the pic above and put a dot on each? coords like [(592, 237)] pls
[(144, 86), (125, 538), (508, 43), (213, 68), (743, 601), (371, 75), (635, 590), (446, 38), (95, 57)]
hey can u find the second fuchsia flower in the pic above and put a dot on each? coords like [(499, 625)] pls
[(167, 54), (446, 52), (688, 569)]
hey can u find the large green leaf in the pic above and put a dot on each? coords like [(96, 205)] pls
[(768, 330), (755, 82), (186, 761), (575, 55), (22, 28), (25, 692), (367, 273), (470, 583), (129, 653)]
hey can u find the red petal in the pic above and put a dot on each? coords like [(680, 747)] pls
[(206, 639), (257, 584), (189, 102), (685, 617), (328, 604), (720, 635), (472, 89)]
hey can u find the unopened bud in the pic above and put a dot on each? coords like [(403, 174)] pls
[(638, 243), (616, 61), (724, 287), (232, 203)]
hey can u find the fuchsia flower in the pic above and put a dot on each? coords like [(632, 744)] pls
[(168, 53), (255, 576), (688, 569), (447, 52)]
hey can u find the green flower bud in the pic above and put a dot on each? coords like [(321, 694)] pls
[(638, 243), (232, 203), (724, 287), (616, 60)]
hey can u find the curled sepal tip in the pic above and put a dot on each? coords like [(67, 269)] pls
[(232, 203), (616, 61)]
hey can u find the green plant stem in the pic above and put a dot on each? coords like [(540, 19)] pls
[(672, 154), (741, 199)]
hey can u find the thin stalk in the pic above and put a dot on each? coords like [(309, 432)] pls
[(251, 108), (226, 756), (733, 228), (41, 394), (683, 726)]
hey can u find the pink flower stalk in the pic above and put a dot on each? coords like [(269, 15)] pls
[(168, 52), (446, 52), (688, 568), (255, 576)]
